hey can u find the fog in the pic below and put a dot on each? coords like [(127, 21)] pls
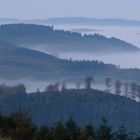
[(124, 60), (34, 85), (129, 34)]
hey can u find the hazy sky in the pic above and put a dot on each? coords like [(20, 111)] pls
[(27, 9)]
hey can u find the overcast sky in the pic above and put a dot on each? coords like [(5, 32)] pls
[(30, 9)]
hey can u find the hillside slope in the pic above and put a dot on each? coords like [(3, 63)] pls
[(22, 63), (45, 38), (17, 62), (84, 106)]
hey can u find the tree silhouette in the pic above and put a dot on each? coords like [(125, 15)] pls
[(88, 81), (126, 90), (133, 90), (59, 132), (72, 129), (23, 128), (63, 87), (120, 134), (138, 92), (104, 131), (108, 82), (117, 87), (44, 133), (87, 133), (78, 85)]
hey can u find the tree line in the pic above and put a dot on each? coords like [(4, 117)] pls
[(129, 90), (19, 126)]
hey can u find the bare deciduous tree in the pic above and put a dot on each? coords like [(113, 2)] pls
[(88, 81), (63, 87), (78, 85), (108, 82), (133, 90), (126, 90), (117, 87)]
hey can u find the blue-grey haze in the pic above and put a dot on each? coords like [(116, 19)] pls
[(29, 9)]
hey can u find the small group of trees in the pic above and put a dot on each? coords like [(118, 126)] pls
[(117, 86), (62, 87), (9, 91), (130, 90), (19, 126)]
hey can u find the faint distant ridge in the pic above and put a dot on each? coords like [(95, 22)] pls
[(9, 20), (74, 21), (93, 21)]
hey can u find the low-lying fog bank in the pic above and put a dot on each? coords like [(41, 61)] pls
[(124, 60), (34, 85), (129, 34)]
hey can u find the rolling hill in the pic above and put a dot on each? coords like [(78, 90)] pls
[(17, 62), (84, 106), (47, 39), (92, 21), (21, 63), (74, 21)]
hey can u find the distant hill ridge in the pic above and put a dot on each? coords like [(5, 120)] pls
[(74, 21), (92, 21), (18, 62), (46, 38)]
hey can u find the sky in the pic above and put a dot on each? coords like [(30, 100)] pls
[(31, 9)]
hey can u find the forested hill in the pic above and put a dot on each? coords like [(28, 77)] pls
[(38, 36), (84, 106), (17, 62)]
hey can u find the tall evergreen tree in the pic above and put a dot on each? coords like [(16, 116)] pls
[(59, 132), (72, 130), (44, 134), (121, 134), (87, 133), (104, 132)]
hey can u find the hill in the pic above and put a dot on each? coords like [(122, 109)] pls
[(84, 106), (92, 21), (21, 63), (74, 21), (17, 62), (47, 39)]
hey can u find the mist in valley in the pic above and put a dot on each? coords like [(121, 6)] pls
[(126, 33), (41, 85), (124, 60)]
